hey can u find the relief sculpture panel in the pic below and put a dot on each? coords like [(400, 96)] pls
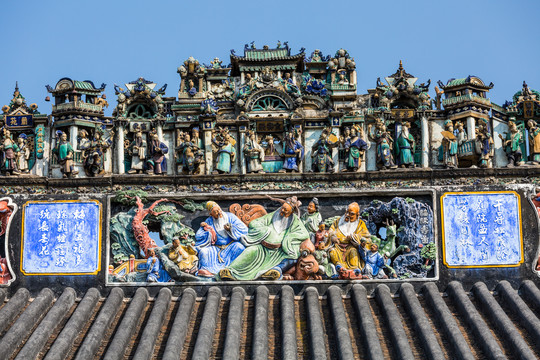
[(280, 237)]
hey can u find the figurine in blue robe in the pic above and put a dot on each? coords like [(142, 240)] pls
[(152, 267), (374, 262), (218, 240), (293, 153)]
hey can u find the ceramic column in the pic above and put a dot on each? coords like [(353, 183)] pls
[(335, 151), (240, 150), (208, 156), (42, 166), (120, 124), (73, 129), (159, 129), (182, 85), (425, 141), (471, 128), (201, 82), (364, 158)]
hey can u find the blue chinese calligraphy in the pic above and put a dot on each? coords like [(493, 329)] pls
[(482, 229), (19, 121), (61, 237)]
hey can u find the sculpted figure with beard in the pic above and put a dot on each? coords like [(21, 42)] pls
[(218, 240), (405, 147), (272, 245), (349, 230)]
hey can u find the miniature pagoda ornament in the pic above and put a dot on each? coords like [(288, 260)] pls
[(27, 137)]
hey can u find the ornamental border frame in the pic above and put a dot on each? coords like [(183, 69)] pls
[(432, 193), (100, 238), (6, 240), (522, 259)]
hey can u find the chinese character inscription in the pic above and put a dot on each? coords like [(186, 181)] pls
[(482, 229), (61, 237)]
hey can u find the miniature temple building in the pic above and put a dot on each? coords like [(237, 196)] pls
[(467, 109), (25, 133), (398, 122), (268, 94), (205, 93), (142, 147), (78, 116), (524, 112)]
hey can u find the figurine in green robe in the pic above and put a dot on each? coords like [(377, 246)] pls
[(312, 218), (10, 151), (511, 144), (272, 245), (226, 151), (405, 147), (64, 152)]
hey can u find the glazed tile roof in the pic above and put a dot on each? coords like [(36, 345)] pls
[(471, 80), (456, 82), (465, 98), (84, 85), (273, 54), (356, 325), (267, 55)]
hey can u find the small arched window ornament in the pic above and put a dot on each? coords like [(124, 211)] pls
[(139, 111), (269, 103)]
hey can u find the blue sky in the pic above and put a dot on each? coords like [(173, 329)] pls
[(118, 41)]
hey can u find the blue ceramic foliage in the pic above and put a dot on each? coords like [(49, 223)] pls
[(482, 229), (61, 237)]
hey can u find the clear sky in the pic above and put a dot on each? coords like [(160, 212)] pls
[(119, 41)]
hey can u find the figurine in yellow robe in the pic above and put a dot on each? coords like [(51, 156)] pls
[(183, 256), (349, 231)]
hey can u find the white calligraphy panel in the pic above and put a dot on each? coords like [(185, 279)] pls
[(482, 229), (61, 237)]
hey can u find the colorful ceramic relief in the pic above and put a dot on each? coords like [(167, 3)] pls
[(270, 238)]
